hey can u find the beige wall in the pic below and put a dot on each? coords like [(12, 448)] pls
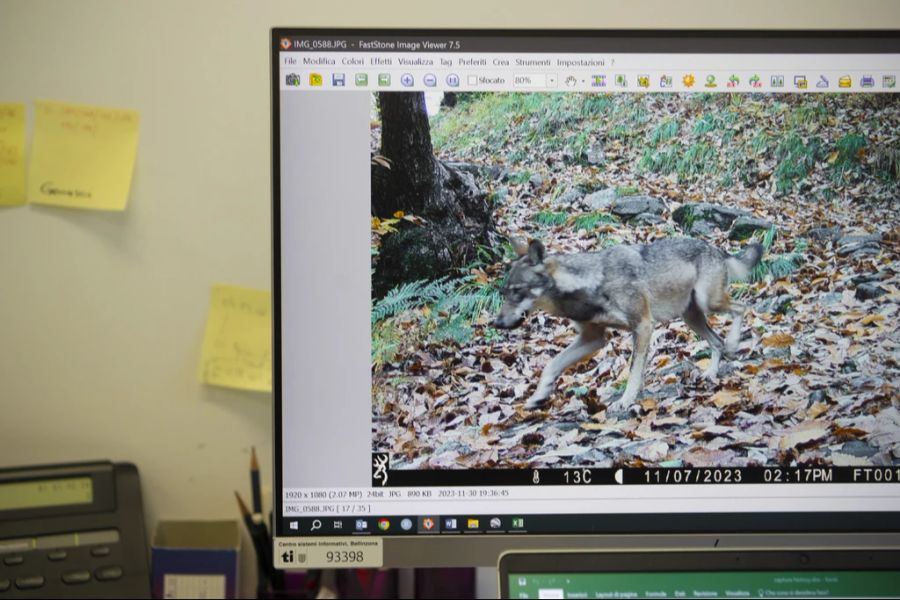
[(102, 314)]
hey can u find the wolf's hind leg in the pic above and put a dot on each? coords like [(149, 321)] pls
[(734, 334), (696, 320), (590, 339)]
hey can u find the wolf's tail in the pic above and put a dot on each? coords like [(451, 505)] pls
[(741, 265)]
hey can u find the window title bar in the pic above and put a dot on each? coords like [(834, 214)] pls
[(768, 42)]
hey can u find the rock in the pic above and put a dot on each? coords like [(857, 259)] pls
[(601, 200), (818, 396), (782, 353), (778, 304), (744, 227), (869, 291), (536, 180), (568, 197), (859, 245), (858, 448), (701, 228), (722, 217), (595, 154), (823, 234), (647, 219), (632, 206), (831, 298), (868, 278)]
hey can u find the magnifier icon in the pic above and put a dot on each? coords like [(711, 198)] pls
[(316, 524)]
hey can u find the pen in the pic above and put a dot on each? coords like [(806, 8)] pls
[(259, 537), (254, 483)]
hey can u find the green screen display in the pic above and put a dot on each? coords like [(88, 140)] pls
[(722, 584), (43, 493)]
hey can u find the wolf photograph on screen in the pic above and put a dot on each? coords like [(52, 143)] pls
[(658, 279)]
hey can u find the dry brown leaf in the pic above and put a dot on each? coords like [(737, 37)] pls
[(649, 404), (816, 410), (868, 319), (778, 340), (723, 398)]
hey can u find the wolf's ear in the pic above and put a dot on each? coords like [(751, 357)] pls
[(519, 246), (536, 252)]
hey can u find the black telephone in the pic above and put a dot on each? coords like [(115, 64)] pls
[(74, 531)]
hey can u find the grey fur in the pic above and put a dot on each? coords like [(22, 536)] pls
[(626, 287)]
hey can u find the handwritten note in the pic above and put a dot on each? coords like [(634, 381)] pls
[(12, 154), (237, 347), (82, 156)]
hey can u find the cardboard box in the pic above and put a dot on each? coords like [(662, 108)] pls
[(196, 559)]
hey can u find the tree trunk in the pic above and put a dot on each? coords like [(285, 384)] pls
[(456, 212)]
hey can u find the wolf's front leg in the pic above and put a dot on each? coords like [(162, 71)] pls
[(590, 339), (642, 336)]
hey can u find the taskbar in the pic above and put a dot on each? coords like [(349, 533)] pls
[(566, 524)]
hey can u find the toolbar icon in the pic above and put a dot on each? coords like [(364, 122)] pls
[(889, 81), (407, 80), (384, 79), (315, 79), (689, 80), (518, 522), (450, 523), (598, 80), (710, 82), (472, 523), (665, 81), (733, 81), (571, 81), (292, 79), (845, 82), (453, 80), (285, 44), (867, 81), (406, 524), (384, 524), (430, 80), (338, 79), (823, 82), (776, 81), (800, 82), (362, 525), (362, 79), (755, 81), (496, 523), (621, 80), (643, 81)]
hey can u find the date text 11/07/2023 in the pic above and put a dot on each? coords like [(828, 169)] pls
[(450, 479)]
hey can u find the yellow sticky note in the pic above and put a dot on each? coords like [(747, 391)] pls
[(12, 154), (237, 347), (82, 156)]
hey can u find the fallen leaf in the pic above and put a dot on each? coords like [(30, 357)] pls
[(778, 340), (723, 398)]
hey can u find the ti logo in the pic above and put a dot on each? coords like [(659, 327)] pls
[(288, 556)]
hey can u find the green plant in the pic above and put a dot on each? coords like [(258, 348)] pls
[(665, 131), (796, 158), (847, 156), (550, 218), (698, 159), (590, 221), (780, 265)]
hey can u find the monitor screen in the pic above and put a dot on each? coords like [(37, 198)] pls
[(530, 285), (701, 574)]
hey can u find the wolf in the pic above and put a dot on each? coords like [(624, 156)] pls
[(628, 287)]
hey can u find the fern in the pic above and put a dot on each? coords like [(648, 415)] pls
[(407, 296), (780, 265)]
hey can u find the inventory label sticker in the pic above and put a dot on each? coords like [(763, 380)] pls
[(329, 552)]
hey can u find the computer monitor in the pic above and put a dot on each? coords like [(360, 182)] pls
[(847, 573), (581, 289)]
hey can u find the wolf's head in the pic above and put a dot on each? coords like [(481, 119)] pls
[(527, 281)]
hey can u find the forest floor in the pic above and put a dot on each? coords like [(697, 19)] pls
[(817, 376)]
